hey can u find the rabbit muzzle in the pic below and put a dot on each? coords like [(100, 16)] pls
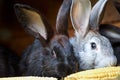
[(64, 70), (105, 61)]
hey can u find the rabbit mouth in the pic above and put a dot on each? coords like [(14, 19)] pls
[(53, 73), (50, 73)]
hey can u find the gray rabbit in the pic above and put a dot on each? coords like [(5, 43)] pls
[(51, 54), (92, 49), (113, 34)]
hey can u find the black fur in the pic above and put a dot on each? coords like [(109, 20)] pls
[(8, 62), (116, 47), (51, 57), (40, 61)]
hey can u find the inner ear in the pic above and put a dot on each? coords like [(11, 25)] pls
[(79, 15), (97, 14), (33, 21), (62, 18)]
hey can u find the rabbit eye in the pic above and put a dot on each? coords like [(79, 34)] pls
[(93, 45), (54, 53)]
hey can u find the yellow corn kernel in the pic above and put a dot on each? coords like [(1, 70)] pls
[(29, 78), (107, 73)]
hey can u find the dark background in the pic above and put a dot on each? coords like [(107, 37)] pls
[(13, 35)]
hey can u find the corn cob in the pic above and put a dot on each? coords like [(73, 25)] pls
[(28, 78), (108, 73)]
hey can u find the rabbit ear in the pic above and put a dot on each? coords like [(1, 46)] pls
[(97, 14), (62, 17), (117, 6), (79, 13), (111, 32), (32, 21)]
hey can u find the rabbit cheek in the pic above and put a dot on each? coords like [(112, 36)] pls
[(86, 61), (87, 57), (107, 58), (106, 61)]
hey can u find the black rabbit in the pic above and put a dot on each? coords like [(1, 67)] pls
[(113, 34), (51, 54), (8, 62)]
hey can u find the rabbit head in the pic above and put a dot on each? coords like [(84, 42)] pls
[(112, 32), (91, 48), (51, 54)]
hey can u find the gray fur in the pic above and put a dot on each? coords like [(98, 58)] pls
[(113, 34), (51, 54), (91, 48)]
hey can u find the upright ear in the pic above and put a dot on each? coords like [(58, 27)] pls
[(111, 32), (117, 6), (79, 13), (97, 14), (62, 17), (32, 21)]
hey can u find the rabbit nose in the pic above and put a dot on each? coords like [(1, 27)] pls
[(114, 61)]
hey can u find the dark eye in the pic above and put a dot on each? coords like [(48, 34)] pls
[(93, 45), (53, 53)]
